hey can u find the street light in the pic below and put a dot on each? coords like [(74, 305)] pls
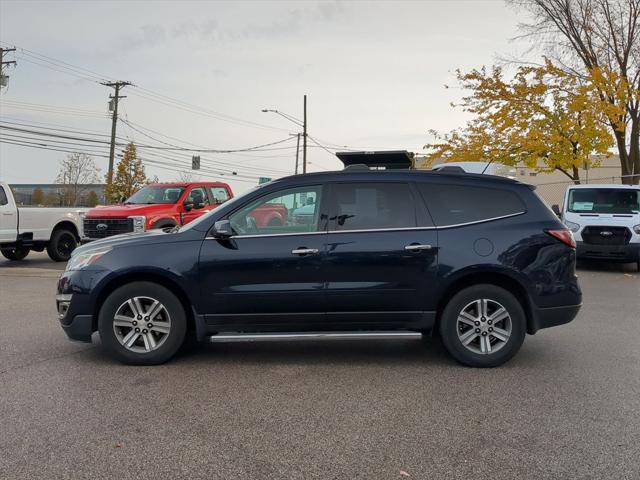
[(300, 123)]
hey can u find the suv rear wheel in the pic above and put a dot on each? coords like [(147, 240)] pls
[(483, 326), (142, 323)]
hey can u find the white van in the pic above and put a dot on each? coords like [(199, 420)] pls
[(605, 221)]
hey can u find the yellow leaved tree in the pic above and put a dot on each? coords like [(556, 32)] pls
[(129, 176), (543, 117)]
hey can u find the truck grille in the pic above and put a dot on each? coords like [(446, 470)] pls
[(93, 227), (606, 235)]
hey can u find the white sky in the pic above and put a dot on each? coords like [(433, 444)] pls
[(373, 72)]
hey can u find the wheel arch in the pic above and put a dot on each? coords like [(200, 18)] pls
[(163, 222), (66, 225), (154, 277), (499, 279)]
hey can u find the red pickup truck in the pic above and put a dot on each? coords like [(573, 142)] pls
[(163, 205)]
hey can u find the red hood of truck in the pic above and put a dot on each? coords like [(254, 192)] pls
[(123, 211)]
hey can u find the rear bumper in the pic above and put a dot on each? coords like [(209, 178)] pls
[(611, 253), (552, 317)]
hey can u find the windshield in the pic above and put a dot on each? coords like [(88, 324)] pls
[(227, 204), (155, 194), (604, 200)]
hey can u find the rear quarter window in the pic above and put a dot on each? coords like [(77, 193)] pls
[(456, 204), (3, 197)]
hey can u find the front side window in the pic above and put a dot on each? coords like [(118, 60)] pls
[(290, 211), (604, 200), (459, 204), (370, 206), (198, 196), (153, 194)]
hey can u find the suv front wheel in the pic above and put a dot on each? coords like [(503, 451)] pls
[(142, 323), (483, 326)]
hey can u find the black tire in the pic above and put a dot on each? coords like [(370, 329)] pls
[(164, 351), (61, 244), (449, 327), (15, 254)]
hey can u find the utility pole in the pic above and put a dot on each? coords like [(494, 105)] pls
[(114, 121), (4, 79), (304, 138), (297, 151)]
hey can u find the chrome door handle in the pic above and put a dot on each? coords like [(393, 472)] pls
[(304, 251), (416, 247)]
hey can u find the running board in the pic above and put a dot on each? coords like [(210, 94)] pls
[(240, 337)]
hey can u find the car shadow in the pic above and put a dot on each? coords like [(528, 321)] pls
[(321, 352), (597, 266)]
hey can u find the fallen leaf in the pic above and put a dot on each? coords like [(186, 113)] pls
[(404, 474), (117, 445)]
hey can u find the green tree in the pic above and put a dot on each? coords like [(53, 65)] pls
[(37, 197), (92, 199), (544, 118), (129, 176)]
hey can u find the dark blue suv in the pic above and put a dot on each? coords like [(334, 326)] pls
[(479, 260)]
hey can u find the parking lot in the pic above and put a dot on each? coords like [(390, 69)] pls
[(568, 405)]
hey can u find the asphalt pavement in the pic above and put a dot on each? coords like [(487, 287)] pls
[(568, 405)]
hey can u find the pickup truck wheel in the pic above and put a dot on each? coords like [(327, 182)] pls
[(62, 243), (142, 323), (483, 326), (15, 254)]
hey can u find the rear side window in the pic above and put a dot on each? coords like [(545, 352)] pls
[(456, 204), (3, 197), (366, 206), (219, 194)]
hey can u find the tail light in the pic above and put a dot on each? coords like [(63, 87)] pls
[(564, 235)]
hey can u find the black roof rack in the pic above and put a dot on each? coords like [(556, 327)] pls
[(388, 159)]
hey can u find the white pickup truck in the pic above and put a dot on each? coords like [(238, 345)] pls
[(605, 221), (57, 229)]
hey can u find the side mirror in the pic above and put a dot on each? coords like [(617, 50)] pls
[(556, 209), (123, 199), (188, 206), (222, 229)]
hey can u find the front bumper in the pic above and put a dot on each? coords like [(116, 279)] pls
[(75, 303), (80, 328), (610, 253)]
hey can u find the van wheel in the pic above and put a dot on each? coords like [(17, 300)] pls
[(483, 326), (15, 254), (62, 243), (142, 323)]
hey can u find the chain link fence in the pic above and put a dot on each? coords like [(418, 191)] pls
[(553, 192)]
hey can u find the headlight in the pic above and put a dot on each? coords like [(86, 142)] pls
[(637, 229), (82, 260), (574, 227), (138, 222)]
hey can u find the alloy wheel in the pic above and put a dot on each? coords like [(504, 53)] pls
[(142, 324), (484, 326)]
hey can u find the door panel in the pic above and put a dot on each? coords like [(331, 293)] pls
[(373, 272), (381, 262), (268, 276)]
